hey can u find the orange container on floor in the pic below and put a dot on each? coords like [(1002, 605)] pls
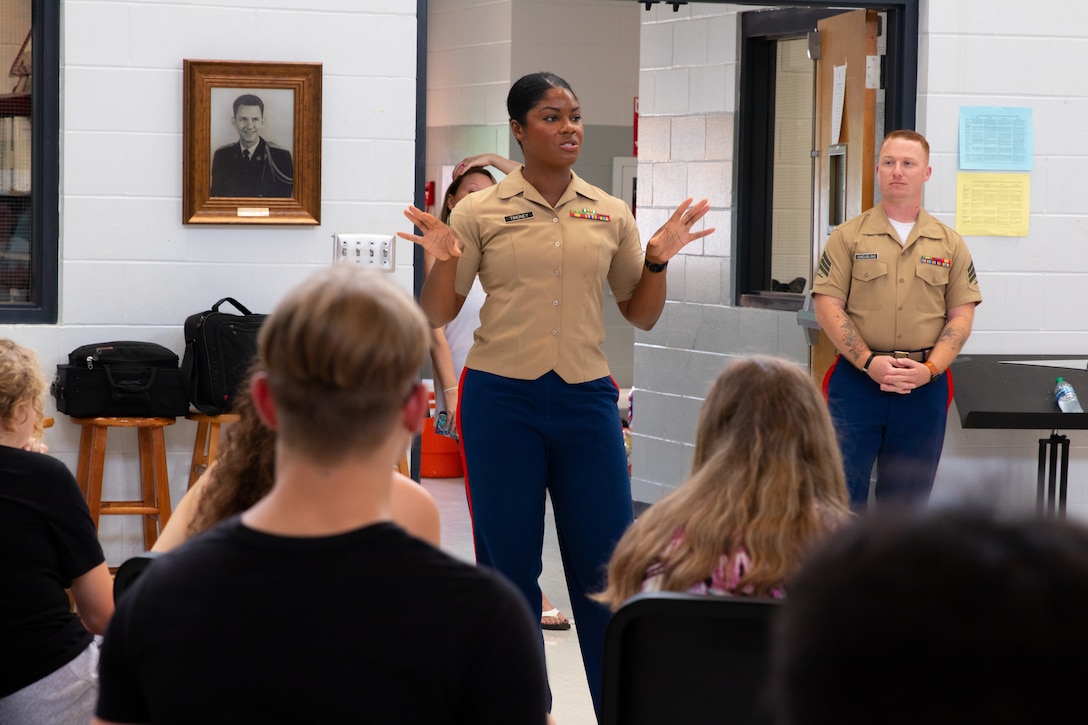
[(439, 456)]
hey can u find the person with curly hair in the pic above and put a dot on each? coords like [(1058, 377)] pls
[(766, 483), (244, 472), (48, 654)]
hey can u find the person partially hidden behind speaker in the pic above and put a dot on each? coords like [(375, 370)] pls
[(253, 166)]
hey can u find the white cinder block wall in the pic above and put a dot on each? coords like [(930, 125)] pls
[(477, 48), (469, 51), (687, 101), (129, 268), (977, 53), (971, 53)]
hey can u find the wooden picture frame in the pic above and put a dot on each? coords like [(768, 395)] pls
[(274, 109)]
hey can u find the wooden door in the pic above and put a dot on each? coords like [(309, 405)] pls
[(848, 40)]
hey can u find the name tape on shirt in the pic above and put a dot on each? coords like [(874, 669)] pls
[(518, 217), (590, 214), (872, 255)]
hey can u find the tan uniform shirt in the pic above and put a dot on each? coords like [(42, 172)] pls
[(897, 295), (543, 270)]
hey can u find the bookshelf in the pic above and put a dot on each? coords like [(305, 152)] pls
[(15, 197)]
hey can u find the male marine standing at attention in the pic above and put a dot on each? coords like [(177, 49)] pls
[(895, 292), (253, 166)]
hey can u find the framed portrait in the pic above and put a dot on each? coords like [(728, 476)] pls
[(252, 143)]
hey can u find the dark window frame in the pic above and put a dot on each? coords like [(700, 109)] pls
[(45, 170), (753, 153)]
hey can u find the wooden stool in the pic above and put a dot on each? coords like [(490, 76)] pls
[(154, 505), (206, 447)]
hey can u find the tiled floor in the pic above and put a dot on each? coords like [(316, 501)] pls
[(571, 703)]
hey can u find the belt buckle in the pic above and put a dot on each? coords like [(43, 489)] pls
[(899, 354)]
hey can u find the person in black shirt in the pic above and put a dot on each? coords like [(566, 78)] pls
[(312, 605), (48, 654)]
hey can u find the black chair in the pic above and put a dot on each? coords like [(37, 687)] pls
[(687, 658), (130, 570)]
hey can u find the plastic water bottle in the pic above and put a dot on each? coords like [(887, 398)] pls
[(1066, 397)]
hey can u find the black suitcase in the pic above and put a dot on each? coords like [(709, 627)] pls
[(120, 379)]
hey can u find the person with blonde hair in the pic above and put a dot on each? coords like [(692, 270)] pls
[(313, 605), (766, 483), (48, 654)]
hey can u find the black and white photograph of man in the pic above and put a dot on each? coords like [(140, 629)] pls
[(252, 164)]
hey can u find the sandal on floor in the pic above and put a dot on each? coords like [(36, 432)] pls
[(558, 620)]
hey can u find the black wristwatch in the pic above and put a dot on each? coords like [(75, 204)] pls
[(655, 268)]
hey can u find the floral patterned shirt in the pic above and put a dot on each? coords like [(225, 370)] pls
[(723, 581)]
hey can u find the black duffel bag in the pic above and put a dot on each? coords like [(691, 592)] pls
[(219, 348), (120, 379)]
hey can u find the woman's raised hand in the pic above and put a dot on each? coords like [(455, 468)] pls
[(676, 232), (438, 239), (503, 164)]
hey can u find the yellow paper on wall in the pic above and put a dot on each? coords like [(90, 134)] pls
[(992, 205)]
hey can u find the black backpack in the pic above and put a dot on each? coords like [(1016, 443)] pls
[(219, 348)]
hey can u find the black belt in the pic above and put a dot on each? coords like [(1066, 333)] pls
[(918, 355)]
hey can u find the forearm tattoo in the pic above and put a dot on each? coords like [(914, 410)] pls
[(853, 343), (951, 337)]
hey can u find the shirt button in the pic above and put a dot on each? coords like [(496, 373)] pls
[(555, 332), (900, 280), (555, 303), (900, 308), (557, 244), (555, 219), (555, 272)]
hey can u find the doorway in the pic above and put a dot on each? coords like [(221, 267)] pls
[(819, 87)]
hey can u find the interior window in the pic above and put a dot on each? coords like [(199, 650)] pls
[(15, 146), (791, 195), (29, 128)]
